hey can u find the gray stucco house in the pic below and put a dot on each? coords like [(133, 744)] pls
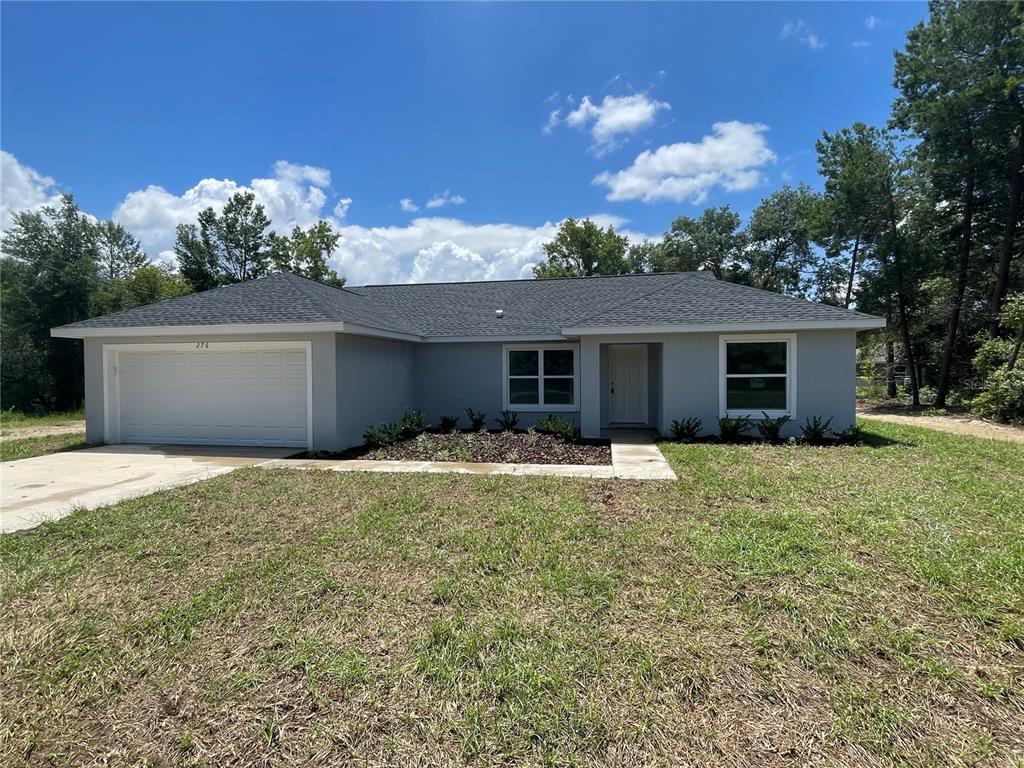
[(285, 361)]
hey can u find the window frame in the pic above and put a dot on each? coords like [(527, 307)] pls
[(540, 406), (790, 375)]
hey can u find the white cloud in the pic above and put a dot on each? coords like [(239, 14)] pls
[(612, 118), (860, 44), (728, 158), (872, 22), (294, 196), (799, 30), (23, 188), (408, 205), (445, 198)]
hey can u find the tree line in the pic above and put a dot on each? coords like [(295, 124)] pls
[(919, 220), (60, 266)]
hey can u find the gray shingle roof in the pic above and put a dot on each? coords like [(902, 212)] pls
[(531, 307)]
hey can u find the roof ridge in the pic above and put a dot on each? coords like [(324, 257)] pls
[(672, 284), (523, 280)]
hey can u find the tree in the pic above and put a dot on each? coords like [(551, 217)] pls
[(146, 285), (306, 252), (120, 254), (712, 242), (194, 251), (779, 241), (960, 81), (582, 249)]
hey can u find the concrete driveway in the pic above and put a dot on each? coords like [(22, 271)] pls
[(50, 487)]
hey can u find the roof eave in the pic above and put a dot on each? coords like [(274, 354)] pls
[(854, 324)]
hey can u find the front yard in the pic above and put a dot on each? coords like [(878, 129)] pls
[(776, 606)]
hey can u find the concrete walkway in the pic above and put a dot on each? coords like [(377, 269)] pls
[(51, 487), (634, 457)]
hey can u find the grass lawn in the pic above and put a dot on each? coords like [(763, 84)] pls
[(775, 606), (11, 420), (28, 447)]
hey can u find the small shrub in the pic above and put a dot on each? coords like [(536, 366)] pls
[(815, 430), (556, 425), (413, 423), (686, 430), (852, 435), (732, 429), (448, 423), (476, 420), (771, 429), (381, 435), (507, 421), (1003, 398)]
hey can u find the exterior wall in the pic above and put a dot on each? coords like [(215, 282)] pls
[(456, 376), (324, 404), (376, 383), (825, 378)]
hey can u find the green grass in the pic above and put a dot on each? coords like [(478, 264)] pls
[(12, 420), (25, 448), (775, 606)]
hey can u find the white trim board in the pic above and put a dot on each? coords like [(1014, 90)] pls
[(112, 395)]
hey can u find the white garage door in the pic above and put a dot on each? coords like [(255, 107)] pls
[(222, 394)]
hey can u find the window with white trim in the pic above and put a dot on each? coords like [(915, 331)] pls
[(540, 377), (757, 375)]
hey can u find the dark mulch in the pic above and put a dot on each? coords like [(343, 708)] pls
[(491, 447)]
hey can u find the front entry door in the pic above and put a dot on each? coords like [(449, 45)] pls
[(627, 381)]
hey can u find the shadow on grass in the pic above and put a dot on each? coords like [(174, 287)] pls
[(867, 440)]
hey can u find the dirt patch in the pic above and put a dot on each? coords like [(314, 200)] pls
[(487, 447), (66, 428), (957, 425)]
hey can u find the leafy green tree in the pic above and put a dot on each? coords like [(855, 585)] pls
[(194, 251), (306, 252), (779, 241), (120, 254), (146, 285), (582, 249), (712, 242)]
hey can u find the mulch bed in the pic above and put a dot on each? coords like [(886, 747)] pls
[(490, 447)]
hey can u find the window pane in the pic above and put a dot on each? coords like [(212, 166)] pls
[(523, 391), (755, 357), (756, 394), (558, 391), (558, 362), (522, 362)]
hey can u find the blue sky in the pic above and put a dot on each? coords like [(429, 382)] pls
[(508, 117)]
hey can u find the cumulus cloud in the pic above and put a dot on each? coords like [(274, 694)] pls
[(871, 22), (799, 30), (23, 188), (728, 158), (610, 120), (408, 205), (445, 198), (294, 196)]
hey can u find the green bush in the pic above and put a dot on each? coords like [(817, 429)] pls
[(771, 429), (380, 435), (476, 420), (507, 421), (815, 430), (992, 354), (686, 430), (1003, 397), (852, 435), (448, 423), (732, 429), (413, 423), (556, 425)]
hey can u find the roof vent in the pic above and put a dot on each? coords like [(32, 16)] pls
[(499, 313)]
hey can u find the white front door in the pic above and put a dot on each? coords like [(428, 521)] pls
[(627, 382)]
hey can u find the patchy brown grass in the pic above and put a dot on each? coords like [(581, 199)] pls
[(776, 606)]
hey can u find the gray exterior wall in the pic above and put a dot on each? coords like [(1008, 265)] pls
[(456, 376), (376, 382), (325, 431), (825, 378)]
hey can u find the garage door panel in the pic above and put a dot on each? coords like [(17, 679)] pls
[(217, 397)]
